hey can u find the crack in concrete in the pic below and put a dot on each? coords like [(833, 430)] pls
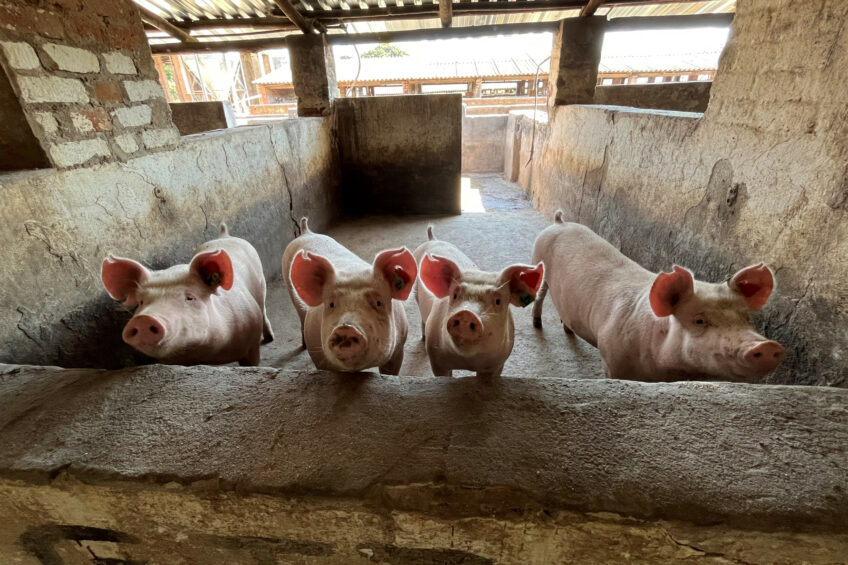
[(703, 552), (21, 311), (295, 222)]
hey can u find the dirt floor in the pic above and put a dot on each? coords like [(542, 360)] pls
[(497, 227)]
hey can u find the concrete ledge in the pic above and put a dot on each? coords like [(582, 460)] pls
[(681, 96), (743, 454), (196, 117)]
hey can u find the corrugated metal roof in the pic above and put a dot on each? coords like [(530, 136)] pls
[(410, 68), (231, 11)]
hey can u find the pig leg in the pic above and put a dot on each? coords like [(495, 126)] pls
[(423, 328), (440, 371), (393, 365), (537, 306), (267, 332), (567, 330), (491, 373), (252, 357)]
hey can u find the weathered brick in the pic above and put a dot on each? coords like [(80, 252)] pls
[(119, 64), (73, 59), (108, 92), (133, 116), (160, 137), (86, 27), (52, 89), (27, 19), (47, 122), (127, 143), (86, 121), (20, 55), (77, 152), (138, 91), (125, 36)]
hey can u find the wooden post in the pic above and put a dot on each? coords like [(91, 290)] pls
[(446, 12)]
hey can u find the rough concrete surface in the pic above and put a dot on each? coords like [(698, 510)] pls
[(679, 96), (196, 117), (483, 140), (400, 154), (497, 229), (759, 178), (57, 227), (71, 523)]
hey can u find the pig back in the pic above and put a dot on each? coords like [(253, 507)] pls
[(588, 279)]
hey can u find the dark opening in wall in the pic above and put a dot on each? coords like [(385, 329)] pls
[(19, 149)]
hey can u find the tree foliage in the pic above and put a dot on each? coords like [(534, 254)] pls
[(384, 50)]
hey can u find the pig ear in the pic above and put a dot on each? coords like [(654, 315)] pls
[(398, 267), (755, 284), (308, 275), (438, 274), (670, 289), (524, 282), (122, 277), (214, 268)]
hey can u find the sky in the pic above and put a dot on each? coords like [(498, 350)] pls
[(538, 45)]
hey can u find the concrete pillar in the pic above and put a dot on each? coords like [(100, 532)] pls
[(313, 73), (574, 60)]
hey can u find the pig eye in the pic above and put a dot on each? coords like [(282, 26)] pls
[(332, 304), (700, 321), (379, 303), (498, 301), (189, 297)]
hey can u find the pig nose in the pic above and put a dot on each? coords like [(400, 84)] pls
[(765, 356), (347, 343), (143, 330), (465, 326)]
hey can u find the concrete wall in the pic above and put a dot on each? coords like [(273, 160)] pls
[(85, 79), (197, 117), (400, 154), (483, 139), (681, 96), (761, 177), (57, 226), (324, 468)]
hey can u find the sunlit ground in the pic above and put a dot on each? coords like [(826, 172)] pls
[(471, 198)]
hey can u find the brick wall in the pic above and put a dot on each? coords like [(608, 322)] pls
[(85, 79)]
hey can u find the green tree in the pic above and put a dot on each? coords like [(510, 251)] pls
[(384, 50)]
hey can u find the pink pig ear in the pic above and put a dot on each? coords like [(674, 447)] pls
[(438, 274), (524, 282), (214, 268), (309, 273), (398, 267), (670, 289), (755, 284), (122, 277)]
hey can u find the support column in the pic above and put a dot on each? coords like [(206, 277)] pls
[(313, 74), (574, 60), (477, 91)]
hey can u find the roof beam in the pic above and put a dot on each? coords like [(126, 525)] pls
[(590, 8), (446, 12), (440, 33), (164, 25), (669, 22), (304, 24)]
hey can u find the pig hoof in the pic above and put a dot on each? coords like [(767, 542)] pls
[(537, 322)]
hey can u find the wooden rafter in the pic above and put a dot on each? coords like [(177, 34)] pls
[(590, 8), (304, 24), (164, 25)]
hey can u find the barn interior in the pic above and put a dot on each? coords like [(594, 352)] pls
[(108, 458)]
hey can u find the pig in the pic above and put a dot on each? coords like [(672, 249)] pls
[(211, 311), (654, 327), (351, 313), (465, 319)]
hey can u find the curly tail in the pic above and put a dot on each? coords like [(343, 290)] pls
[(430, 235), (558, 217), (304, 225), (224, 231)]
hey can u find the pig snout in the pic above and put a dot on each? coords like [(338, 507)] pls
[(347, 343), (143, 331), (764, 357), (465, 327)]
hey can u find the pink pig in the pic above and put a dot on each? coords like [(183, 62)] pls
[(654, 327), (465, 317), (209, 312), (351, 314)]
